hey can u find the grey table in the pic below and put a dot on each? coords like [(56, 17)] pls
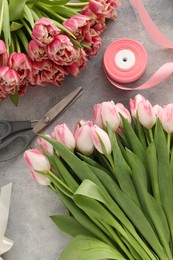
[(35, 236)]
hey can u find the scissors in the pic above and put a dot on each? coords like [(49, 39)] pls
[(26, 132)]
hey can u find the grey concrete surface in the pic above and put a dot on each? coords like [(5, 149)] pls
[(35, 236)]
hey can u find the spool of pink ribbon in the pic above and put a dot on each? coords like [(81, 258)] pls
[(125, 60)]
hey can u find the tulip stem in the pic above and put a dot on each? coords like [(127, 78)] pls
[(51, 13), (168, 142), (150, 135), (52, 187), (26, 26), (83, 4)]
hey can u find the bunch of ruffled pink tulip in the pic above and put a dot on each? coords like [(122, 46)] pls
[(42, 41), (116, 179)]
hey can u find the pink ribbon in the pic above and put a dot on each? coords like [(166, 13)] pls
[(161, 74)]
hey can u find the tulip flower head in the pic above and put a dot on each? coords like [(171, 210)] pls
[(146, 114), (134, 104), (44, 31), (104, 8), (63, 135), (167, 118), (100, 138), (120, 108), (79, 25), (106, 113), (82, 134), (46, 145), (9, 79), (37, 162)]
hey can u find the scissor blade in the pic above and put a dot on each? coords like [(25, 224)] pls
[(64, 104)]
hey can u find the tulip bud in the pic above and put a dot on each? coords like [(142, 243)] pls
[(158, 111), (146, 114), (106, 113), (83, 138), (37, 162), (63, 135), (167, 118), (134, 104), (98, 134), (120, 108), (45, 144)]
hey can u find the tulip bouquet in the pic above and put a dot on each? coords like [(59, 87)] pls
[(115, 176), (42, 41)]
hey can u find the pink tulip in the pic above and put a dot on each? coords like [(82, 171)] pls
[(21, 63), (167, 118), (44, 31), (79, 25), (3, 54), (44, 72), (9, 79), (36, 52), (62, 52), (120, 108), (63, 135), (106, 113), (93, 39), (104, 8), (146, 114), (134, 104), (98, 134), (37, 162), (96, 22), (46, 145), (79, 65), (57, 74), (158, 111), (82, 134)]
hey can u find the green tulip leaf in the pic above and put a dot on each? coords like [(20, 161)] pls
[(87, 248), (16, 9), (132, 139), (6, 22), (15, 26), (150, 206), (82, 218), (164, 174), (70, 226), (14, 98)]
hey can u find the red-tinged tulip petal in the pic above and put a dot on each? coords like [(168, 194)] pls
[(82, 134), (134, 104), (63, 135), (44, 31), (79, 25), (106, 113), (46, 145), (97, 133), (37, 162), (167, 118), (120, 108), (36, 52), (146, 114)]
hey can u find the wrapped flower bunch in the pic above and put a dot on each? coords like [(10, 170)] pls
[(115, 176), (43, 41)]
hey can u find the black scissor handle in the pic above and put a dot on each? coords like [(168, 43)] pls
[(26, 136), (14, 127)]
